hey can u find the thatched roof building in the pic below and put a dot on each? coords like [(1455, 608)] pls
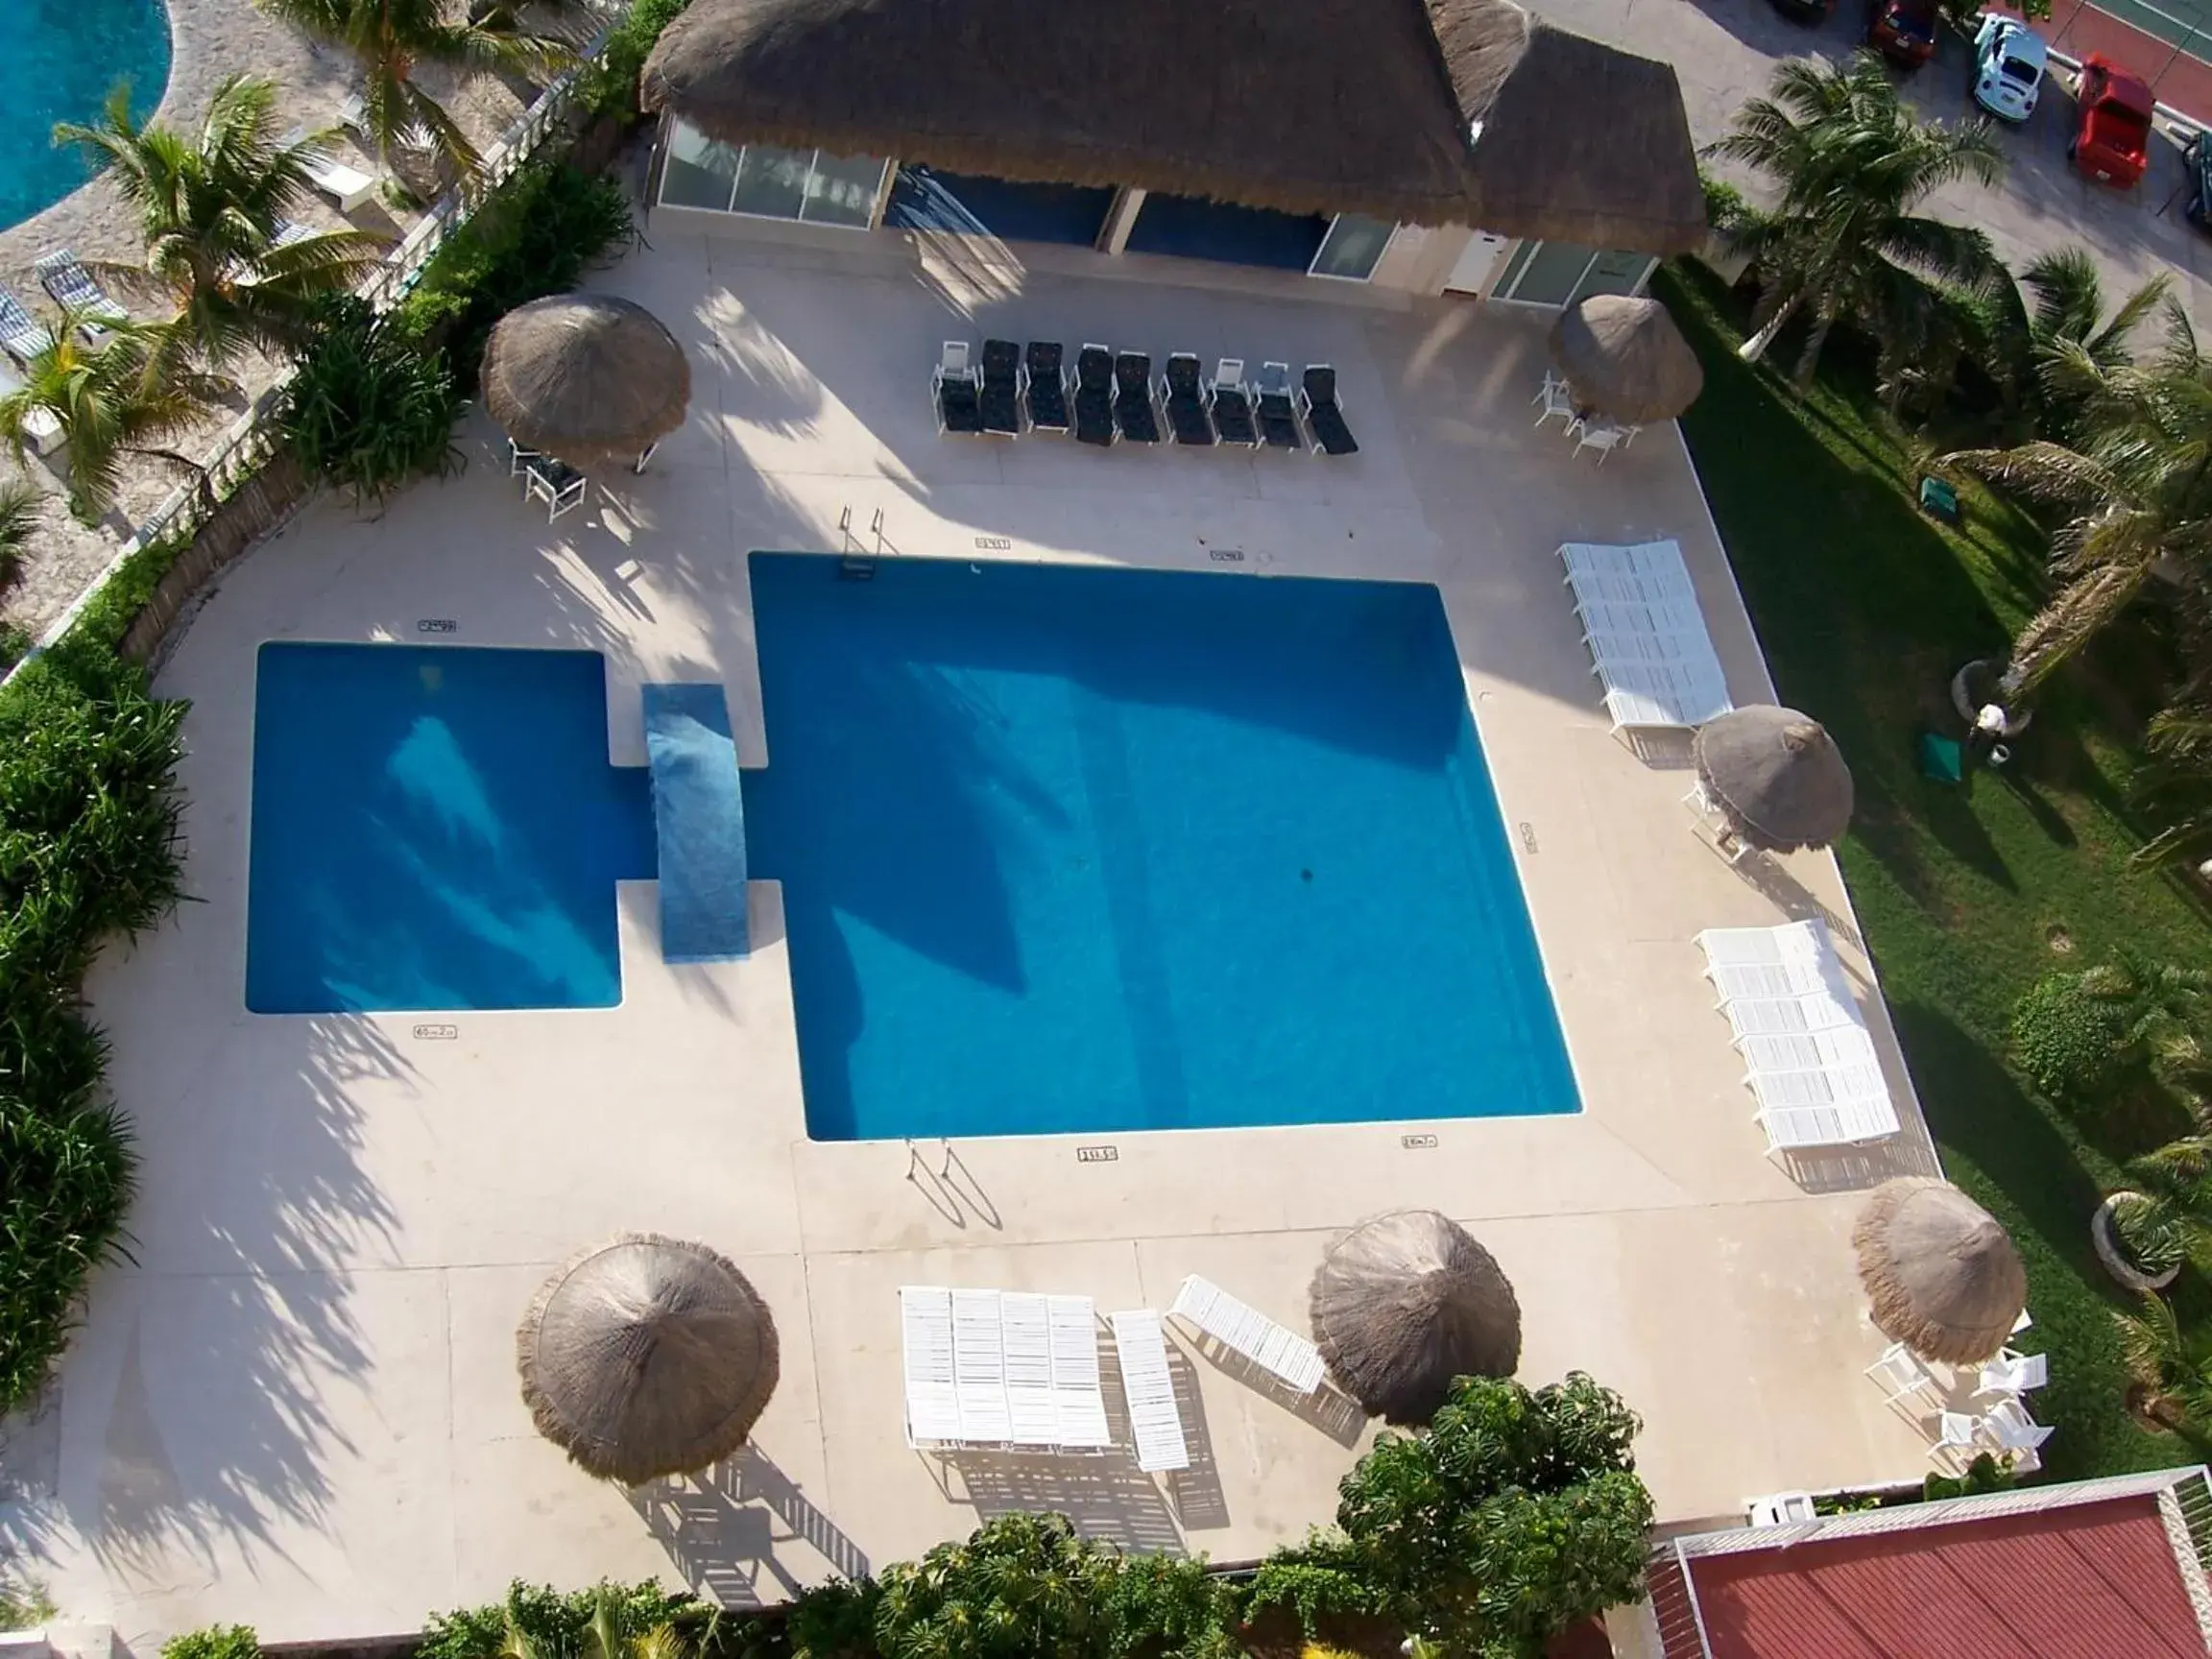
[(1431, 111)]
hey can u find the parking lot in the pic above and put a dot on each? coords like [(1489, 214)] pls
[(1724, 51)]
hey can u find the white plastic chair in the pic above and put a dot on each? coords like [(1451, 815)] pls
[(559, 486), (1155, 1420), (2014, 1431), (1602, 439), (1958, 1438), (2012, 1375), (1554, 398), (1901, 1373), (1782, 1509)]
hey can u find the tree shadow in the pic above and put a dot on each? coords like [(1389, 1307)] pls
[(719, 1528)]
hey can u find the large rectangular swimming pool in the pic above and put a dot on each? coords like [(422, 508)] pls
[(1089, 849)]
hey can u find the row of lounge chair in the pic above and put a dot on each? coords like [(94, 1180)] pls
[(22, 336), (1107, 396), (1649, 647), (1004, 1368), (1811, 1062)]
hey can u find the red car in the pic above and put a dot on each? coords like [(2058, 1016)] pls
[(1902, 30), (2112, 141)]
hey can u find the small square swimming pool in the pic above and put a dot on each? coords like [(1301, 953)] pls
[(1082, 850), (437, 828)]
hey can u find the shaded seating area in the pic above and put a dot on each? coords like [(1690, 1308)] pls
[(1771, 780), (1181, 395)]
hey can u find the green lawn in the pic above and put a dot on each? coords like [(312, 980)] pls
[(1866, 607)]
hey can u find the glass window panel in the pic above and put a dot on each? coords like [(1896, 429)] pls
[(697, 172), (1352, 246), (1552, 271), (1614, 272), (842, 189), (772, 182)]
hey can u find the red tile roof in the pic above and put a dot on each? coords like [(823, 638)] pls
[(2091, 1581)]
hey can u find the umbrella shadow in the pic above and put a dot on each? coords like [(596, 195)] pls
[(720, 1529), (1794, 898)]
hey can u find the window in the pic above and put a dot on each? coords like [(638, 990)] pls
[(1352, 248), (769, 183), (1557, 273)]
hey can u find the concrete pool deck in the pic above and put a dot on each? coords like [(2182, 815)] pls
[(297, 1408)]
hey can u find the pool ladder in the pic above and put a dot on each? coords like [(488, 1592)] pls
[(857, 562)]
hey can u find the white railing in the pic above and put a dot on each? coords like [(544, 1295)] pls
[(248, 441), (2184, 1498)]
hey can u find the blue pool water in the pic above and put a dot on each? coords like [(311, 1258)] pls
[(1089, 849), (57, 59), (437, 828)]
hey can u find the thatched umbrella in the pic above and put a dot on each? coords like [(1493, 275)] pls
[(1944, 1277), (1403, 1304), (645, 1357), (1626, 358), (587, 377), (1776, 777)]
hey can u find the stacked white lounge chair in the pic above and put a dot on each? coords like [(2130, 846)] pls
[(1649, 646), (1001, 1368), (1245, 1331), (1810, 1061)]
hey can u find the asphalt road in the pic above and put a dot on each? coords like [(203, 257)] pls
[(1724, 51)]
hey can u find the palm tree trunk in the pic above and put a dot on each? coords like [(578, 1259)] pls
[(1755, 348), (1809, 359)]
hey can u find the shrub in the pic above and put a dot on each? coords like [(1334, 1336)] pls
[(216, 1642), (1513, 1516), (25, 1606), (537, 1620), (88, 848), (610, 86), (1318, 1579), (2072, 1044), (369, 409), (1725, 205), (1984, 1475)]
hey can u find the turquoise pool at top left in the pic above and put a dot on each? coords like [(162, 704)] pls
[(61, 56)]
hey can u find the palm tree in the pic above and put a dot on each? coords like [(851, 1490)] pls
[(2041, 326), (2137, 479), (2172, 1368), (18, 517), (389, 39), (2175, 785), (219, 242), (1852, 164), (123, 396)]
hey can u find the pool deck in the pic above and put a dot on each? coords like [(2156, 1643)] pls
[(299, 1408)]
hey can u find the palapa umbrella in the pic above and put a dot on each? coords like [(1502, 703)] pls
[(586, 378), (647, 1356), (1403, 1304), (1944, 1277), (1776, 777), (1626, 358)]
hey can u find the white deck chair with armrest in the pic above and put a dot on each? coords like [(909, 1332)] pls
[(2013, 1430), (979, 1368), (1244, 1330), (1080, 1400), (1154, 1418), (926, 1330), (1026, 1329), (2013, 1374)]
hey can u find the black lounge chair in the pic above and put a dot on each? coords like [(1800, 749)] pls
[(1184, 402), (1278, 415), (955, 391), (1040, 387), (1132, 411), (1001, 394), (1229, 401), (1324, 415), (1093, 396)]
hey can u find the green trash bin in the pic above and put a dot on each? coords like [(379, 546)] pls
[(1938, 499), (1942, 757)]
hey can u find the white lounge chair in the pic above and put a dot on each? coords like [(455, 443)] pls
[(1154, 1419), (979, 1368), (1748, 947), (1662, 695), (1079, 1401), (348, 186), (1787, 1016), (1844, 1123), (1214, 1312), (1026, 1331), (925, 1335), (64, 277), (1754, 981), (2012, 1375)]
